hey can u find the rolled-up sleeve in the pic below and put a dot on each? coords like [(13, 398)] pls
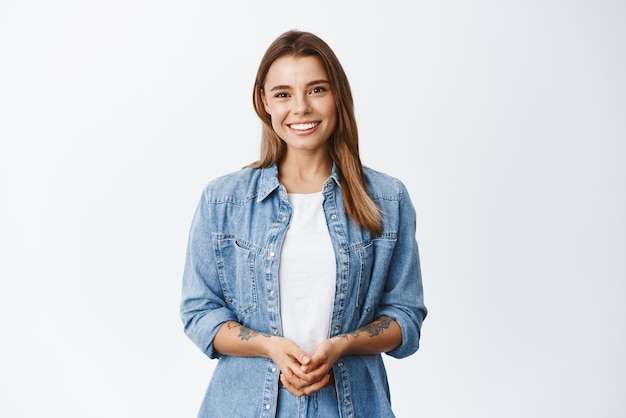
[(403, 297), (202, 307)]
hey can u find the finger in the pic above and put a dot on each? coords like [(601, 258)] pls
[(311, 389), (305, 374), (291, 388), (293, 374), (310, 380), (315, 371), (298, 354), (297, 381)]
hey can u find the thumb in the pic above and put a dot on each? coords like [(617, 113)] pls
[(305, 359)]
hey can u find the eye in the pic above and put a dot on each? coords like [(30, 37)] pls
[(318, 89), (281, 95)]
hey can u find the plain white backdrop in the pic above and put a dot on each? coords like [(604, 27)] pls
[(505, 119)]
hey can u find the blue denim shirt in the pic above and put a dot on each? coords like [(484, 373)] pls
[(231, 273)]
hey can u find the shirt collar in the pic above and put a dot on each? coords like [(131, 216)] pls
[(269, 181)]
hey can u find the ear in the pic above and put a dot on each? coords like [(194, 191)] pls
[(265, 103)]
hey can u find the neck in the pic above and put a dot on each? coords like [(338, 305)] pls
[(306, 176)]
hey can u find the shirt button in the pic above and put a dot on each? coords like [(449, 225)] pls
[(341, 250), (273, 369), (272, 254), (274, 332), (267, 406), (271, 293), (340, 364), (333, 217)]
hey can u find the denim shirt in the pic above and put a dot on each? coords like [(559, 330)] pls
[(231, 274)]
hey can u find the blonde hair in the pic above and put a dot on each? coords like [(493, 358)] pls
[(343, 145)]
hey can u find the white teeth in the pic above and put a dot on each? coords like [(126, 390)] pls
[(303, 126)]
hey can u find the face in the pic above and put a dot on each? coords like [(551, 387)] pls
[(298, 96)]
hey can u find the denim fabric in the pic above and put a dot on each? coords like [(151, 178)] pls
[(231, 273), (322, 404)]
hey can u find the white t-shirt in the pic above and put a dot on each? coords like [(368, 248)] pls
[(307, 273)]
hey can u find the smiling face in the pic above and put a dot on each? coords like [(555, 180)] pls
[(298, 96)]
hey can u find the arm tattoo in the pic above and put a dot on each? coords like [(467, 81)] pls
[(377, 327), (246, 333), (374, 329)]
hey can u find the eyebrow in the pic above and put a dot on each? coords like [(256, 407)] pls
[(309, 84)]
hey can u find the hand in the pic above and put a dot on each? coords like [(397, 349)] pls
[(305, 388), (316, 369), (324, 357), (290, 358)]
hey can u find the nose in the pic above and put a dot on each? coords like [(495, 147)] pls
[(302, 105)]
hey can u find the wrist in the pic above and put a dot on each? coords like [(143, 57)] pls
[(267, 346), (341, 344)]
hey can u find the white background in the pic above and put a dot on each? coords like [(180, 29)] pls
[(505, 119)]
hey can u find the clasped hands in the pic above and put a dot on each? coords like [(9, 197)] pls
[(303, 374)]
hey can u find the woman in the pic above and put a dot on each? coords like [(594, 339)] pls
[(303, 267)]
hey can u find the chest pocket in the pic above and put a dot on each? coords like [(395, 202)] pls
[(235, 265), (373, 258)]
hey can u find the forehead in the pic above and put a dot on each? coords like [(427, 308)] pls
[(292, 71)]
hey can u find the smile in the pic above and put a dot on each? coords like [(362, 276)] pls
[(303, 126)]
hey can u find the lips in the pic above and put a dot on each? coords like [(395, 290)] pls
[(303, 126)]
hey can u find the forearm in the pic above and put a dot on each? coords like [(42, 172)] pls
[(381, 335), (234, 339)]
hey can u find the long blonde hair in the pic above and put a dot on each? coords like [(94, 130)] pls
[(343, 145)]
